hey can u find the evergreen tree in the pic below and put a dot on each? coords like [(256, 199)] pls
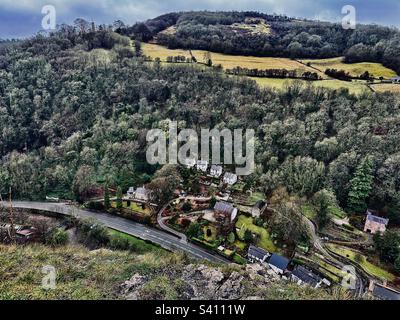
[(361, 186), (107, 203), (119, 198)]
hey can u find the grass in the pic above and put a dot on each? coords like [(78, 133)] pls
[(139, 245), (354, 69), (386, 87), (255, 197), (309, 212), (265, 242), (362, 261), (134, 207), (227, 61), (214, 233)]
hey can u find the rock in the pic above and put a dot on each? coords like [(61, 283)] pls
[(133, 283)]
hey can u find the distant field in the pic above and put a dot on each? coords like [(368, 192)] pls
[(355, 69), (354, 87), (384, 87), (227, 61)]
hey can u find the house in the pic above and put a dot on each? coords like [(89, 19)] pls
[(230, 178), (395, 80), (258, 209), (278, 263), (202, 165), (375, 224), (190, 163), (140, 194), (383, 292), (216, 171), (225, 210), (255, 254), (301, 275)]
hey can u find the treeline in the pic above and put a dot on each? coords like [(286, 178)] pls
[(345, 76), (211, 31), (72, 119), (273, 73)]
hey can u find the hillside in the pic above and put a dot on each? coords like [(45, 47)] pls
[(259, 34), (105, 274)]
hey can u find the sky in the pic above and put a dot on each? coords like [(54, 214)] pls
[(22, 18)]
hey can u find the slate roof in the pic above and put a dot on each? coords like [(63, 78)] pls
[(257, 252), (224, 207), (306, 276), (376, 219), (279, 261), (385, 293)]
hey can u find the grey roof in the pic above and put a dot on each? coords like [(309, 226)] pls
[(260, 204), (257, 252), (385, 293), (395, 78), (279, 261), (376, 219), (306, 276), (224, 207)]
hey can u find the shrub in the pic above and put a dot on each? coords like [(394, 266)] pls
[(57, 237)]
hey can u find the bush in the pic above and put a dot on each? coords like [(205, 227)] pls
[(58, 237), (94, 205)]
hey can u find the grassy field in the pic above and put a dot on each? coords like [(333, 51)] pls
[(355, 69), (227, 61), (246, 223), (384, 87), (353, 87), (362, 261)]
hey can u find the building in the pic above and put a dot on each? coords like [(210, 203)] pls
[(278, 263), (202, 165), (255, 254), (216, 171), (383, 292), (303, 276), (258, 209), (395, 80), (230, 178), (140, 194), (224, 210), (190, 163), (375, 224)]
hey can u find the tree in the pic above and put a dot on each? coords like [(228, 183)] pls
[(397, 264), (119, 198), (322, 200), (231, 238), (107, 203), (138, 48), (82, 183), (361, 186), (248, 236), (388, 245), (194, 230)]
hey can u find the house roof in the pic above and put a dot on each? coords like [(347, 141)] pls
[(257, 252), (216, 168), (306, 275), (371, 217), (260, 204), (279, 261), (224, 207), (385, 293), (142, 191), (395, 78)]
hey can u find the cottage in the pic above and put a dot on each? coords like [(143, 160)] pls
[(278, 263), (230, 178), (225, 210), (303, 276), (216, 171), (258, 209), (140, 194), (202, 165), (375, 224), (383, 292), (255, 254), (395, 80), (190, 163)]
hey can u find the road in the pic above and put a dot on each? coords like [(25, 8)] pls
[(165, 240)]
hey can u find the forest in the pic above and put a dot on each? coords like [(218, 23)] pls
[(288, 37), (75, 108)]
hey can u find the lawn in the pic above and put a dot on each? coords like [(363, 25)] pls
[(361, 260), (355, 69), (309, 212), (265, 242), (213, 232), (140, 246), (134, 207), (255, 197)]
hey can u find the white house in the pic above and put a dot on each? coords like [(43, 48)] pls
[(140, 194), (256, 254), (230, 178), (190, 163), (202, 165), (216, 171)]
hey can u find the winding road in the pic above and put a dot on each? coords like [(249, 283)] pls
[(163, 239)]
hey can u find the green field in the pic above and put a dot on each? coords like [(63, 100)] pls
[(246, 223), (354, 69), (362, 261)]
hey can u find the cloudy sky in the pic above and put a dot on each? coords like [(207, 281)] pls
[(20, 18)]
